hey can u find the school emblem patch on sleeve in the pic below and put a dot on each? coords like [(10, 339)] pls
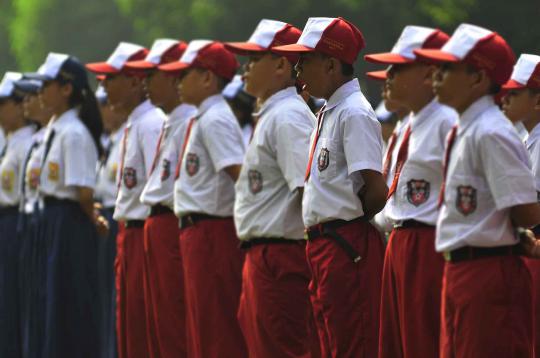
[(165, 169), (8, 179), (192, 164), (255, 181), (323, 160), (466, 199), (54, 171), (130, 177), (33, 178), (417, 191)]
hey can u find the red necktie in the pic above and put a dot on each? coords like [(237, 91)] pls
[(158, 149), (401, 158), (186, 139), (320, 119), (449, 145), (388, 160), (122, 156)]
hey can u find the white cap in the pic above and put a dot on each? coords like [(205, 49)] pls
[(160, 47), (7, 85)]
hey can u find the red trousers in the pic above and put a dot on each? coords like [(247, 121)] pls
[(164, 287), (411, 295), (213, 283), (130, 309), (346, 296), (487, 309), (275, 312), (534, 269)]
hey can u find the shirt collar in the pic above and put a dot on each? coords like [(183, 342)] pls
[(419, 118), (474, 110), (275, 98), (534, 136), (139, 111), (342, 93), (116, 136), (208, 103), (63, 118), (182, 111), (21, 132)]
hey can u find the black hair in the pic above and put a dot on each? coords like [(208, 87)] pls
[(222, 82), (347, 69), (84, 98)]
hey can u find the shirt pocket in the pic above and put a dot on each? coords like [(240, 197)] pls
[(327, 159), (469, 197)]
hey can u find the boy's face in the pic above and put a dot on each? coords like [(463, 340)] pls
[(519, 104), (405, 80), (11, 113), (312, 70), (191, 86), (259, 73), (161, 87), (390, 105), (119, 88), (452, 84)]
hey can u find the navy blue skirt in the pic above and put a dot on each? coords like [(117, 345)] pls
[(9, 283), (71, 282)]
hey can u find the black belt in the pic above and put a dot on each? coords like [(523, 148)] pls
[(248, 244), (329, 229), (51, 200), (129, 224), (407, 224), (160, 209), (9, 210), (470, 253), (192, 219)]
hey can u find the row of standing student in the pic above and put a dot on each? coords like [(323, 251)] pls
[(184, 167)]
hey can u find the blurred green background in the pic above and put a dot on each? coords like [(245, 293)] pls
[(90, 29)]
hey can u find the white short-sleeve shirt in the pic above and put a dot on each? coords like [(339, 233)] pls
[(488, 173), (107, 179), (533, 146), (33, 172), (12, 163), (71, 160), (350, 141), (215, 143), (160, 186), (267, 203), (142, 128), (417, 194)]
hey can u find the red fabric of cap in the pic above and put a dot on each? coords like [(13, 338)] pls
[(434, 41), (171, 55), (214, 57), (492, 54), (105, 68), (377, 75)]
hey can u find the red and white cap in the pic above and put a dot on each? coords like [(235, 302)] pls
[(7, 86), (163, 51), (210, 55), (412, 38), (116, 63), (526, 73), (335, 37), (377, 75), (478, 47), (268, 34)]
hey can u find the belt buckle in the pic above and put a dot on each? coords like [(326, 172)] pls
[(447, 256), (306, 234), (398, 224)]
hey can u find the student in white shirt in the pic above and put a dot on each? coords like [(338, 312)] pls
[(68, 226), (32, 251), (268, 205), (126, 93), (412, 207), (521, 104), (344, 189), (19, 137), (488, 194), (163, 283), (209, 164)]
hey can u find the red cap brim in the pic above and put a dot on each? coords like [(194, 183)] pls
[(435, 56), (101, 78), (101, 67), (377, 75), (140, 65), (293, 48), (244, 48), (387, 58), (174, 66), (511, 84)]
